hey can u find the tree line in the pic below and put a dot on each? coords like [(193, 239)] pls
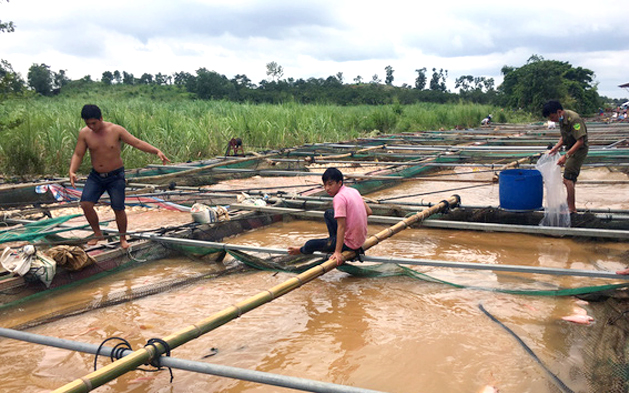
[(526, 87)]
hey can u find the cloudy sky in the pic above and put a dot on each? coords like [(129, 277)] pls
[(317, 38)]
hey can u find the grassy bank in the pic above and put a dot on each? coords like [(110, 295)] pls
[(38, 135)]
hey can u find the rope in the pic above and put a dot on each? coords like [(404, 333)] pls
[(554, 377), (155, 360), (119, 349), (116, 352)]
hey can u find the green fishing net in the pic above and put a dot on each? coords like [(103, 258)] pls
[(36, 230)]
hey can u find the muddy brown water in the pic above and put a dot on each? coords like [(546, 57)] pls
[(393, 334)]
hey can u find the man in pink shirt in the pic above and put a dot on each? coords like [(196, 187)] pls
[(347, 222)]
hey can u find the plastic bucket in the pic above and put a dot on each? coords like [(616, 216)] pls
[(521, 189), (202, 214)]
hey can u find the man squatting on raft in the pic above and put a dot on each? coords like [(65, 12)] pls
[(347, 222), (574, 135), (103, 139)]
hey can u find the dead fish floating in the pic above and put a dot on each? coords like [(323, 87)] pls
[(579, 318)]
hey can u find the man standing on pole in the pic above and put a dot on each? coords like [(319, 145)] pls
[(104, 141)]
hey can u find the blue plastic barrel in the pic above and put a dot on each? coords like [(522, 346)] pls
[(521, 189)]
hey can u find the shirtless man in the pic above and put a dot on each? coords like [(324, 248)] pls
[(103, 139)]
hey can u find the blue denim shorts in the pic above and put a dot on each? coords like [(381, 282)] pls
[(113, 182)]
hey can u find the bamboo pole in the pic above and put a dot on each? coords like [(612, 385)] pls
[(206, 167), (309, 159), (146, 354), (13, 187)]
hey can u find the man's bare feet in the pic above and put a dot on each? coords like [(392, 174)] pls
[(94, 240), (294, 250), (124, 244), (623, 272)]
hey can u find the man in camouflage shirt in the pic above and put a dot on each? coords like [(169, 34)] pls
[(574, 136)]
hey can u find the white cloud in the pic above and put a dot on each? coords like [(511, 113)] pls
[(316, 38)]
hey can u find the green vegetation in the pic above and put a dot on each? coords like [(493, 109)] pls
[(192, 117), (43, 131), (539, 80)]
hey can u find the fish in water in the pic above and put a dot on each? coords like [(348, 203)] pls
[(88, 331), (489, 389), (578, 318), (213, 351)]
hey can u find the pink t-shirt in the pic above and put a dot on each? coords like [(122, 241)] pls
[(349, 204)]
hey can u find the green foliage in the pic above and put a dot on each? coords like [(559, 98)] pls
[(274, 70), (383, 119), (10, 81), (420, 81), (40, 79), (6, 27), (389, 78), (60, 79), (44, 131), (438, 80), (107, 77), (531, 85), (127, 78), (211, 85)]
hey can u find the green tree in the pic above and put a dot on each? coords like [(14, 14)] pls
[(107, 77), (438, 80), (540, 80), (211, 85), (6, 27), (389, 72), (161, 79), (183, 78), (117, 77), (40, 79), (127, 78), (274, 70), (420, 81), (146, 79), (464, 83), (60, 79), (358, 80), (241, 81), (10, 81)]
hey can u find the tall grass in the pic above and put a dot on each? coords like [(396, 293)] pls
[(43, 134)]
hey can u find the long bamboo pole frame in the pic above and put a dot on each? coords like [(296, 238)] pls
[(147, 354), (210, 166)]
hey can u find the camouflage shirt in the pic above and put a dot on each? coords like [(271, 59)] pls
[(572, 128)]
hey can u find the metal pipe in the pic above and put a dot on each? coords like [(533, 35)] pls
[(532, 148), (409, 261), (500, 268), (530, 229), (266, 378)]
